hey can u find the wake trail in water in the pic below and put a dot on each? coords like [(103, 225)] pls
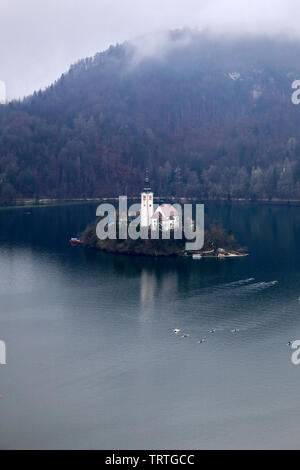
[(236, 289), (258, 286), (241, 282), (227, 296)]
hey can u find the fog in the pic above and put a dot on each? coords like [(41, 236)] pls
[(39, 39)]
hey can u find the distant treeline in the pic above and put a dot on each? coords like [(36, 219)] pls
[(208, 118)]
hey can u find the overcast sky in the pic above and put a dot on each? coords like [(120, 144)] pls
[(39, 39)]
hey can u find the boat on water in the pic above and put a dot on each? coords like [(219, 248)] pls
[(220, 253), (75, 241)]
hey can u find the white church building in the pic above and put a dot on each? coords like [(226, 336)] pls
[(147, 201), (165, 216)]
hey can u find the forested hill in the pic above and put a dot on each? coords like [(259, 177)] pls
[(209, 117)]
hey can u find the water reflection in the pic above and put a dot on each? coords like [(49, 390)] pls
[(92, 361), (148, 288)]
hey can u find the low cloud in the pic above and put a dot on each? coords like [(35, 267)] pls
[(39, 39), (158, 45)]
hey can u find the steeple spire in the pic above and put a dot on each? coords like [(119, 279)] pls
[(147, 188)]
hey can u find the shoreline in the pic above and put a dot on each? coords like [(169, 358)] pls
[(179, 255), (218, 244), (43, 202)]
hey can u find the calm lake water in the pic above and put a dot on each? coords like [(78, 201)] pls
[(93, 363)]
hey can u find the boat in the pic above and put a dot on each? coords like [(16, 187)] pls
[(75, 241), (197, 256)]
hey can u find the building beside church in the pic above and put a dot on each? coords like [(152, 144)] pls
[(166, 217)]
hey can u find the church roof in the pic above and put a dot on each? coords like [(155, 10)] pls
[(166, 211)]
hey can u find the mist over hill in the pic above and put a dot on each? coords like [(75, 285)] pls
[(209, 116)]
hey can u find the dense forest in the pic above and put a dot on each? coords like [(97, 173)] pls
[(209, 116)]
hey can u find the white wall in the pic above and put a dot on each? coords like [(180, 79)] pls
[(146, 209)]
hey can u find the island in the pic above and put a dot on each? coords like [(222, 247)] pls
[(217, 244)]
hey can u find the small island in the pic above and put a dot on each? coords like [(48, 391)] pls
[(161, 220), (218, 244)]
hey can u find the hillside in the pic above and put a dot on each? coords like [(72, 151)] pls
[(209, 117)]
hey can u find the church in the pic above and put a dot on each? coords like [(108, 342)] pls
[(165, 216)]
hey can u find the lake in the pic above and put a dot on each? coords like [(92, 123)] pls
[(92, 362)]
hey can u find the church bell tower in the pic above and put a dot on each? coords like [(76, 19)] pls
[(146, 203)]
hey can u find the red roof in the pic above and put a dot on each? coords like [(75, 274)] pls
[(165, 211)]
